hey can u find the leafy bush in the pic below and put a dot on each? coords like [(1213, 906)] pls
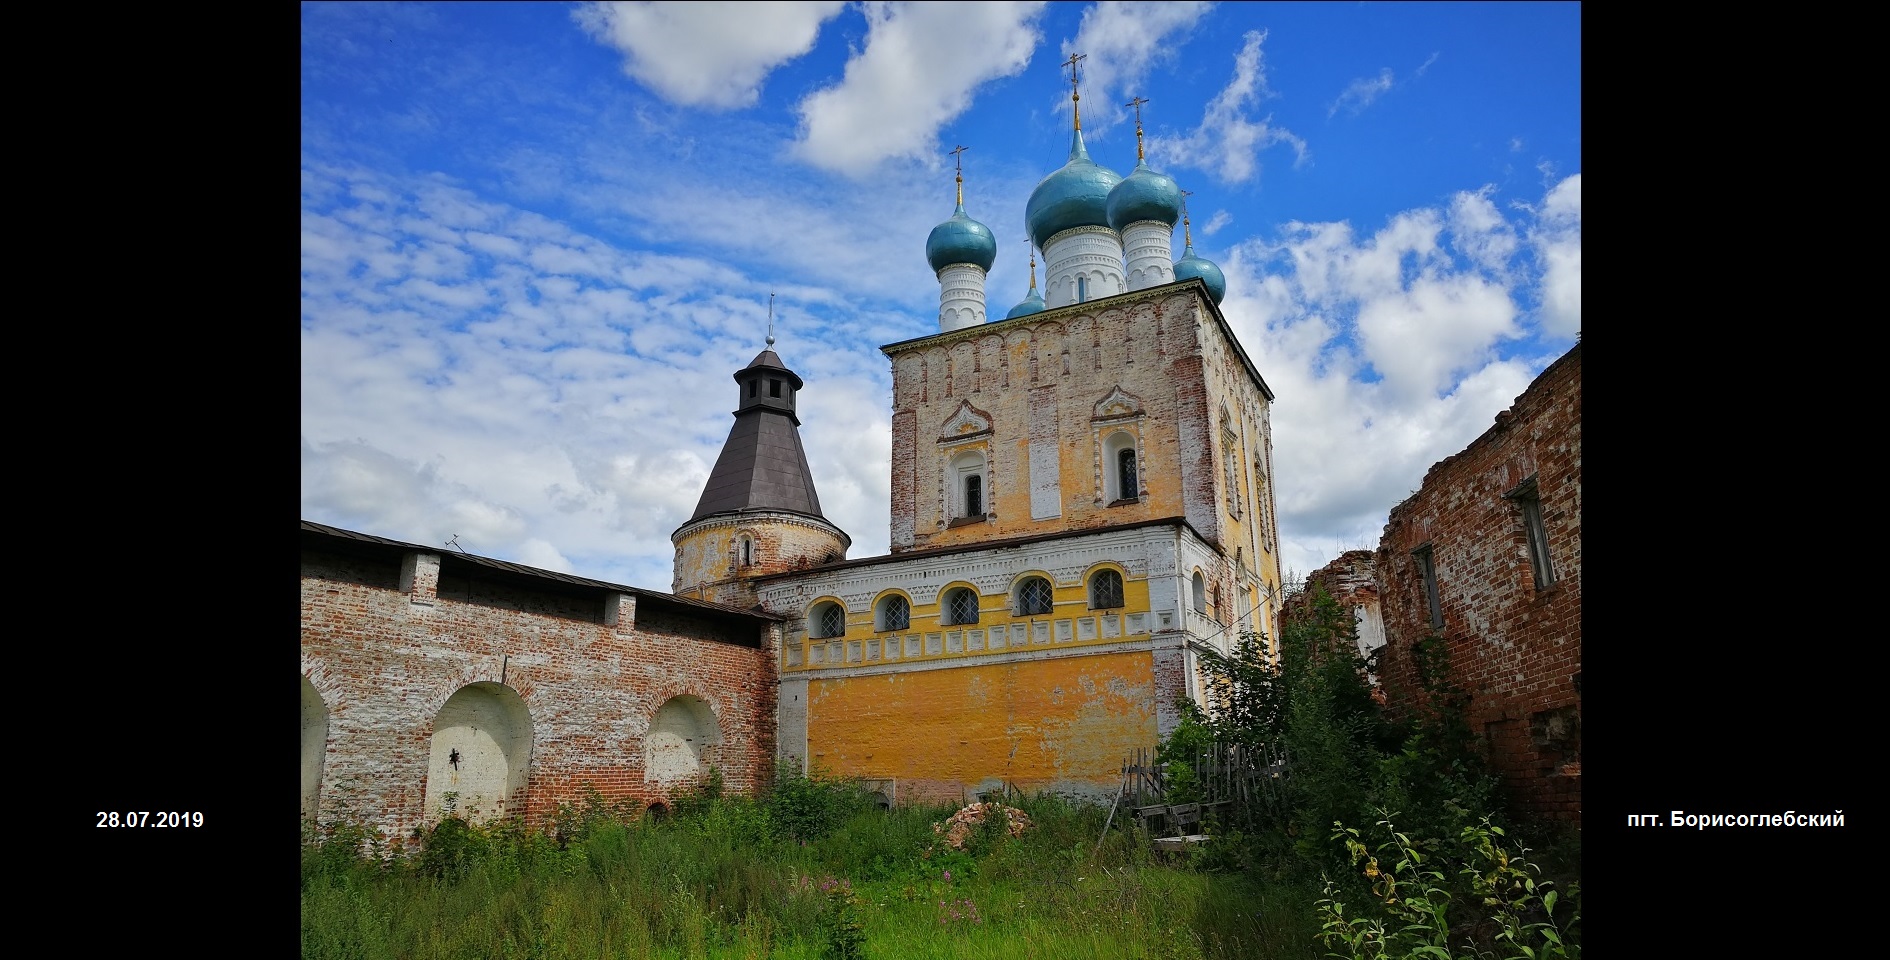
[(1489, 900), (806, 807)]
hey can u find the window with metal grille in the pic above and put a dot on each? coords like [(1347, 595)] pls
[(1033, 597), (974, 496), (1125, 473), (1105, 590), (961, 606), (829, 621), (895, 613)]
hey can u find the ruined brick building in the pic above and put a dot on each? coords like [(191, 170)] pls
[(1486, 556), (1082, 501)]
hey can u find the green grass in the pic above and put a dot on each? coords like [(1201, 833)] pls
[(729, 880)]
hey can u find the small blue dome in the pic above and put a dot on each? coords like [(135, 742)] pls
[(1029, 305), (1077, 195), (960, 240), (1144, 195), (1192, 266)]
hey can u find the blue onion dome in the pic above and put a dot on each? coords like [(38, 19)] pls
[(1029, 305), (1077, 195), (1192, 266), (1144, 195), (960, 240)]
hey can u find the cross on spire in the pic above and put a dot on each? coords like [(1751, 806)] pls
[(1187, 237), (1137, 104), (959, 153), (1076, 111)]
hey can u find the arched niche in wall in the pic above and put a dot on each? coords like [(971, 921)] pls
[(480, 755), (681, 742), (314, 749)]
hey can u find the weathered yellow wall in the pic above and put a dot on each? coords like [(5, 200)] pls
[(1066, 723)]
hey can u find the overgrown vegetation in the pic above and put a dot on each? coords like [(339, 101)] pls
[(1401, 822), (1381, 840)]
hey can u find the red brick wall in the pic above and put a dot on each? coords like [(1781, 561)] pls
[(1514, 648), (385, 660)]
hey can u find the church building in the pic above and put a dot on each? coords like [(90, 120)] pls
[(1081, 504)]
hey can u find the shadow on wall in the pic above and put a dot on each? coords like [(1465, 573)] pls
[(682, 740), (481, 753)]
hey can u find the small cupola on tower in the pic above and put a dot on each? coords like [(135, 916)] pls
[(961, 251), (759, 512), (1190, 265), (1068, 218), (1034, 302), (1143, 208)]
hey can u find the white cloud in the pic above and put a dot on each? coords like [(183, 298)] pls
[(1120, 42), (920, 66), (1227, 142), (706, 54), (1558, 243), (1361, 92), (1221, 218)]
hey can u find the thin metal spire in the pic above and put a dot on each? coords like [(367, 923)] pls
[(770, 319), (1186, 235), (959, 152), (1076, 111), (1137, 104)]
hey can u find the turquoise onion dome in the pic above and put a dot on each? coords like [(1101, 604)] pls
[(1031, 304), (1192, 266), (1144, 195), (960, 240), (1077, 195)]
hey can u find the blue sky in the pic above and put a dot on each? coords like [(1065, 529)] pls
[(538, 239)]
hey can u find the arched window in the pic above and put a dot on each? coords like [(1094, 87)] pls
[(826, 620), (1120, 482), (1033, 597), (748, 551), (1200, 593), (966, 479), (893, 613), (1125, 472), (1082, 288), (1105, 590), (960, 606)]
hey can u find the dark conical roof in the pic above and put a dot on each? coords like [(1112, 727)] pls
[(762, 465)]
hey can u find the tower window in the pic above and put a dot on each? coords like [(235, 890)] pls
[(1082, 289), (961, 606), (1125, 474), (1200, 593), (974, 496), (1105, 590), (895, 613), (774, 387), (751, 387), (1034, 597), (748, 551), (828, 620)]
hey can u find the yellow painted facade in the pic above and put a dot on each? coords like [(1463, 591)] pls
[(939, 734)]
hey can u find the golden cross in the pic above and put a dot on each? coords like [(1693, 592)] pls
[(1076, 112), (959, 154), (1137, 104)]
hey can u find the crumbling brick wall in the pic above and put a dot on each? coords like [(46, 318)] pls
[(1514, 645)]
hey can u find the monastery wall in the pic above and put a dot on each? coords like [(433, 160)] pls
[(425, 676)]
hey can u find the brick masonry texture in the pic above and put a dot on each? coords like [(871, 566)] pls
[(384, 661), (1513, 647)]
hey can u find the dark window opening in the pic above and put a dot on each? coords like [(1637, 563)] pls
[(974, 496), (774, 388), (1125, 475), (1537, 535), (1034, 597), (1427, 569), (961, 607)]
